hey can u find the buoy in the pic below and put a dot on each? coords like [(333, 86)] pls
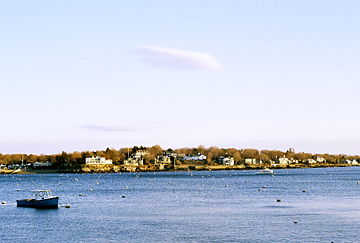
[(295, 222), (278, 200)]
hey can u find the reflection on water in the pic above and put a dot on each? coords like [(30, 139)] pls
[(297, 205)]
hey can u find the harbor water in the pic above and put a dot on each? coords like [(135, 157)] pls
[(294, 205)]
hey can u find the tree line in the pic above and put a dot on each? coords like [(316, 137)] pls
[(76, 159)]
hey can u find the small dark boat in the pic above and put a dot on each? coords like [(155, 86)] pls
[(41, 199)]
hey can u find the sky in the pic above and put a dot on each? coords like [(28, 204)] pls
[(87, 75)]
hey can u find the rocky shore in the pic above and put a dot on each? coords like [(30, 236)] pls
[(153, 168)]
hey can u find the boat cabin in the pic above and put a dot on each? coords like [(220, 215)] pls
[(41, 194)]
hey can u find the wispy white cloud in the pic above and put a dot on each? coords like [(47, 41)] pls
[(113, 128), (176, 58)]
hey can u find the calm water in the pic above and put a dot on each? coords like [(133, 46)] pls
[(216, 206)]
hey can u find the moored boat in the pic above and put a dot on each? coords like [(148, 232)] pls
[(41, 199), (265, 171)]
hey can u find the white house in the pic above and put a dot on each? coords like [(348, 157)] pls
[(133, 161), (351, 162), (320, 159), (229, 161), (136, 158), (250, 161), (199, 157), (42, 164), (283, 161), (98, 161), (163, 159), (293, 161), (139, 154), (311, 161)]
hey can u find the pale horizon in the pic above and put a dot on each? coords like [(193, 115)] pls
[(87, 75)]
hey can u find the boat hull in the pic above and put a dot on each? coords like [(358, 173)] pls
[(43, 203)]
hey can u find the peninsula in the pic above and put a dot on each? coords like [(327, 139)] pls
[(155, 158)]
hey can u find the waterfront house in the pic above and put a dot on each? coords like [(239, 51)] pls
[(172, 154), (293, 161), (139, 154), (351, 162), (133, 161), (162, 159), (41, 164), (251, 161), (320, 159), (98, 161), (311, 161), (229, 161), (283, 160), (136, 158), (198, 157)]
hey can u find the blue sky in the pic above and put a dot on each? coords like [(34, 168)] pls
[(79, 75)]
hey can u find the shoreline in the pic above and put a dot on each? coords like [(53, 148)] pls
[(133, 169)]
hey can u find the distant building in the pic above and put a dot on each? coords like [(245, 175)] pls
[(251, 161), (172, 154), (133, 161), (229, 161), (136, 158), (199, 157), (320, 159), (98, 161), (163, 159), (283, 160), (41, 164), (139, 154), (311, 161), (351, 162), (290, 150)]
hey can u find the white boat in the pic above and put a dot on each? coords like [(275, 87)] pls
[(265, 171)]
